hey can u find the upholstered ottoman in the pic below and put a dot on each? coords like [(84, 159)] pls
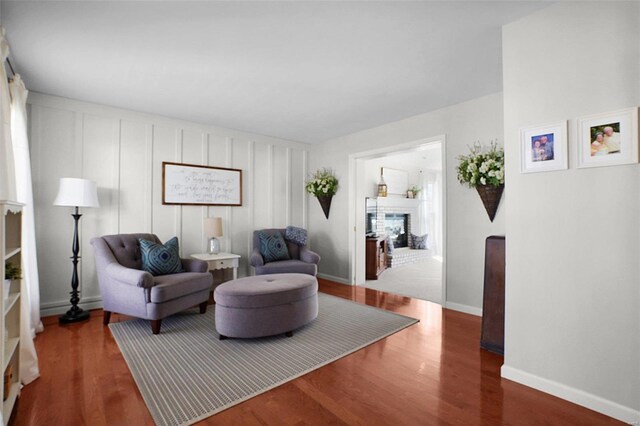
[(265, 305)]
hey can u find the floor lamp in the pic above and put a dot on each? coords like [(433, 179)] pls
[(76, 193)]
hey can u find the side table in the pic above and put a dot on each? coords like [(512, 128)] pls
[(220, 261)]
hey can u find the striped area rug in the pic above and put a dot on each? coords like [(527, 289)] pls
[(185, 374)]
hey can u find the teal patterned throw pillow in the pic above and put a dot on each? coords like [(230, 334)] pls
[(273, 247), (159, 259)]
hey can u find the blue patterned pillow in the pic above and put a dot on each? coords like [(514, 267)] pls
[(419, 242), (296, 235), (273, 247), (159, 259)]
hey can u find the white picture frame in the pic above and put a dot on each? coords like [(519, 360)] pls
[(608, 139), (544, 148)]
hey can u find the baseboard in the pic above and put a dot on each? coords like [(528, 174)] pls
[(62, 306), (577, 396), (464, 308), (334, 278)]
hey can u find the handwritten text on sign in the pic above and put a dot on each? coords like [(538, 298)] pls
[(185, 184)]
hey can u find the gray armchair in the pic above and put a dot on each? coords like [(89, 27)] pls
[(127, 289), (303, 260)]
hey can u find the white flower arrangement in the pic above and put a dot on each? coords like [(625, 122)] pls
[(483, 166), (323, 183)]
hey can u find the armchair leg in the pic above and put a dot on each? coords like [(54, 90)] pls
[(203, 307), (155, 326), (106, 317)]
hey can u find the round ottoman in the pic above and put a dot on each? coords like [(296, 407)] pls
[(265, 305)]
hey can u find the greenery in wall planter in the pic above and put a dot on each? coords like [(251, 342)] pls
[(323, 185), (483, 169)]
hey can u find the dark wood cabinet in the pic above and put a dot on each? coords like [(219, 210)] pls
[(376, 254), (493, 301)]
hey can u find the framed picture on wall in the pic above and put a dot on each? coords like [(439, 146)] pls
[(197, 185), (608, 139), (544, 148)]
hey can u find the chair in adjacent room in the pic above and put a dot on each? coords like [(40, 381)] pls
[(295, 256), (127, 289)]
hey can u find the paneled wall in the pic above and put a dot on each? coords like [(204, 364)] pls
[(123, 152)]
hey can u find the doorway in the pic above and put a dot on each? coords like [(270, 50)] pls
[(409, 271)]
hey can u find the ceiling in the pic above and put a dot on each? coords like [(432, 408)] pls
[(305, 71), (416, 160)]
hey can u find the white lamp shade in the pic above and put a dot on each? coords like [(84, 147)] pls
[(77, 193), (213, 227)]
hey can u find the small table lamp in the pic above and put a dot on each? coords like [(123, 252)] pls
[(76, 193), (213, 229)]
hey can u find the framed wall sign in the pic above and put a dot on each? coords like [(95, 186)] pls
[(608, 139), (544, 148), (191, 184)]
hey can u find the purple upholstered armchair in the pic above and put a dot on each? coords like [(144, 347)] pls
[(303, 260), (127, 289)]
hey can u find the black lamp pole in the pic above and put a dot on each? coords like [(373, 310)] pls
[(75, 314)]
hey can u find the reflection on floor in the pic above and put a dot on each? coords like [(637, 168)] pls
[(420, 280)]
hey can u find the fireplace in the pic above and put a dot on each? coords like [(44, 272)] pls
[(396, 226)]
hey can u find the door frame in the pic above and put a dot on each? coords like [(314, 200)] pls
[(357, 224)]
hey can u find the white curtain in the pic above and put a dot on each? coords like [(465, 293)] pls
[(429, 210), (30, 322), (7, 167), (436, 218), (421, 225)]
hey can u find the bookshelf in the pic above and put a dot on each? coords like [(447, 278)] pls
[(10, 250)]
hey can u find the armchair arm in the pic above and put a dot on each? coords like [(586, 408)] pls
[(309, 256), (256, 258), (194, 265), (130, 276)]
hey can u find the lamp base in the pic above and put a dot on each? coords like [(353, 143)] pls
[(74, 316), (214, 246)]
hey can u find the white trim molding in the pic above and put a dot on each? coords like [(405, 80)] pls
[(577, 396), (62, 306), (334, 278), (464, 308)]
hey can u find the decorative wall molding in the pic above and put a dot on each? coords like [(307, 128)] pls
[(122, 151)]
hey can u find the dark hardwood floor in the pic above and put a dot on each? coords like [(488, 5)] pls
[(431, 373)]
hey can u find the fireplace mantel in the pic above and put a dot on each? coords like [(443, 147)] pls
[(398, 202)]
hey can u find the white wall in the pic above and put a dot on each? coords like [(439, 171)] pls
[(123, 152), (467, 222), (573, 237), (414, 163)]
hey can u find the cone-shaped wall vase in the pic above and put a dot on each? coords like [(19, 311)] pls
[(490, 196), (325, 203)]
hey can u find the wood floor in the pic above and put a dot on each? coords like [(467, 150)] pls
[(430, 373)]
